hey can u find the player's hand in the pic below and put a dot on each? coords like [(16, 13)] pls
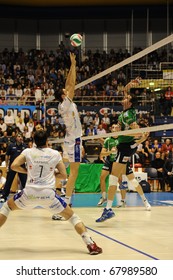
[(73, 58)]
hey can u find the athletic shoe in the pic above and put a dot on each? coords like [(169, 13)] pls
[(123, 185), (3, 199), (57, 217), (147, 205), (122, 204), (101, 201), (107, 214), (94, 249)]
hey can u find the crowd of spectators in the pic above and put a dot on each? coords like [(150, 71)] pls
[(26, 77)]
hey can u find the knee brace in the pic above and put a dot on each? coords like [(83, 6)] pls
[(113, 180), (74, 220), (5, 210), (134, 183)]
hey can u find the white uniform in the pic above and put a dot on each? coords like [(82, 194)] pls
[(40, 185), (72, 144)]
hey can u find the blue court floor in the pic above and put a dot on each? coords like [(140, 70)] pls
[(132, 199)]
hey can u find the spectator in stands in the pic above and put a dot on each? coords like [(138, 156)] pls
[(121, 78), (158, 164), (168, 101), (13, 150), (141, 120), (147, 152), (3, 125), (30, 126), (9, 121), (91, 130), (13, 137), (148, 120), (168, 168), (53, 118), (101, 130), (27, 135), (54, 132), (3, 92), (5, 138), (166, 148), (18, 91), (105, 121), (88, 119), (49, 128), (155, 147), (20, 124), (10, 92), (18, 117), (113, 117), (26, 118), (96, 120)]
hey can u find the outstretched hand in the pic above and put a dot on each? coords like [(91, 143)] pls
[(73, 58)]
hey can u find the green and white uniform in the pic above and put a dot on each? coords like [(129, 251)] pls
[(126, 144), (126, 118), (110, 143)]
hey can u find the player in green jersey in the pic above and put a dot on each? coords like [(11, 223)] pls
[(108, 154), (127, 146)]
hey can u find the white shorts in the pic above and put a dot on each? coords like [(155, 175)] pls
[(73, 150), (30, 198)]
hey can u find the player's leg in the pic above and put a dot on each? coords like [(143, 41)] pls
[(137, 186), (72, 151), (123, 186), (70, 186), (7, 207), (103, 176), (68, 214), (117, 170)]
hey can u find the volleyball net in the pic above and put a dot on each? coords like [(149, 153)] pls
[(163, 49), (141, 55)]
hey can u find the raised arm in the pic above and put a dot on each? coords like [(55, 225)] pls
[(71, 78), (131, 84)]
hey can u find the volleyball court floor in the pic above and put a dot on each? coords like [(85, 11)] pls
[(133, 234)]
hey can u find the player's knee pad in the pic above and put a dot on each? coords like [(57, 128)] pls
[(74, 220), (113, 180), (5, 210), (134, 183)]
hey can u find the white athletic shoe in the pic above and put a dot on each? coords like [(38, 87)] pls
[(147, 205), (102, 201), (57, 217), (122, 204)]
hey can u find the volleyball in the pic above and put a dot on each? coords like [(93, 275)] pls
[(76, 40)]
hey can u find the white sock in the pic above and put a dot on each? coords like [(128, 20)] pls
[(143, 197), (86, 238), (68, 199), (109, 204)]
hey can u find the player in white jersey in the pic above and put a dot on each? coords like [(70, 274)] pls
[(41, 162), (72, 142)]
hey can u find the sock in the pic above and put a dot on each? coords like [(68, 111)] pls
[(86, 238), (109, 204), (143, 197), (104, 195), (68, 199)]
